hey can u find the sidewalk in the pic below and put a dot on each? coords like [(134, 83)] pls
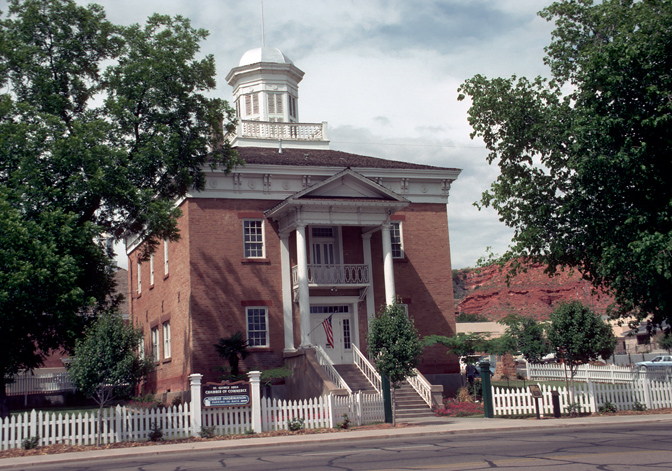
[(432, 426)]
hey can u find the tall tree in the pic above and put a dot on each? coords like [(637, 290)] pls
[(107, 363), (394, 346), (584, 157), (578, 335), (103, 127)]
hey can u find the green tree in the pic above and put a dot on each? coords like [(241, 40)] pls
[(528, 337), (469, 317), (584, 157), (107, 364), (394, 346), (464, 345), (665, 342), (578, 335), (233, 348), (103, 127)]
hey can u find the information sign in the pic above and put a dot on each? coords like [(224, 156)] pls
[(226, 394)]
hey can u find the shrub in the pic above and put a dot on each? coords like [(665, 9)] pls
[(476, 389), (346, 422), (155, 433), (573, 409), (639, 407), (177, 400), (608, 407), (296, 424), (30, 443), (454, 408), (207, 432), (463, 395)]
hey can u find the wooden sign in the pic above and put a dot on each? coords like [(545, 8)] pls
[(535, 390), (226, 394)]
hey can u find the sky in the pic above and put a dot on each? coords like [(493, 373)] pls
[(384, 74)]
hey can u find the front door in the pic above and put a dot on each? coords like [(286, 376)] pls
[(331, 328)]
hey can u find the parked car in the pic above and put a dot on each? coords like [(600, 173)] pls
[(550, 358), (660, 361)]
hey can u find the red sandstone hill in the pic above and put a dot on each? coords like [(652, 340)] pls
[(484, 291)]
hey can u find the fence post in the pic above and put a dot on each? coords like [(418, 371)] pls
[(256, 400), (646, 385), (592, 396), (331, 406), (196, 417)]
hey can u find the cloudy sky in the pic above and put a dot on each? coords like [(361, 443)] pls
[(384, 74)]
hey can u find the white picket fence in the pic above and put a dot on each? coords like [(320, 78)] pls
[(27, 383), (652, 393), (608, 373)]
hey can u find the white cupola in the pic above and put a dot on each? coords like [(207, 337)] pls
[(266, 97)]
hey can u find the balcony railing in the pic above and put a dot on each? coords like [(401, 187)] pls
[(284, 131), (334, 275)]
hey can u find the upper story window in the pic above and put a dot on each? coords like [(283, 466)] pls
[(397, 240), (151, 270), (139, 267), (253, 238), (155, 342), (292, 107), (165, 257), (166, 339), (257, 326)]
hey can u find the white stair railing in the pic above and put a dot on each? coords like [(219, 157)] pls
[(421, 386), (367, 368), (328, 365)]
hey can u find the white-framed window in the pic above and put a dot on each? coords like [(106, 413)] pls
[(166, 339), (139, 268), (292, 106), (253, 238), (155, 342), (165, 257), (151, 270), (257, 326), (397, 240)]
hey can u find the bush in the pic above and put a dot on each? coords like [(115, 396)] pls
[(346, 422), (30, 443), (609, 407), (155, 433), (639, 407), (207, 432), (573, 409), (463, 395), (454, 408), (476, 389), (296, 424)]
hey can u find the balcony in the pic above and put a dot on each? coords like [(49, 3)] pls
[(346, 275), (285, 131)]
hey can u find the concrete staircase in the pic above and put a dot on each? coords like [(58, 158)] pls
[(409, 403), (353, 376)]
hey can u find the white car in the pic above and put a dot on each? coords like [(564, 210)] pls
[(660, 361)]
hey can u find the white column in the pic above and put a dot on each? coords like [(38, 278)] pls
[(287, 293), (304, 295), (255, 377), (196, 417), (388, 266), (368, 260)]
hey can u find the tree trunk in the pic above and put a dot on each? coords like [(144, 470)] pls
[(4, 403)]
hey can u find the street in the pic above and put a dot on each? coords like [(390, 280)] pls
[(624, 447)]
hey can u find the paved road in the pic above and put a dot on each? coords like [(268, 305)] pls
[(608, 448)]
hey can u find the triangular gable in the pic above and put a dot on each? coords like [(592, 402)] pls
[(347, 184)]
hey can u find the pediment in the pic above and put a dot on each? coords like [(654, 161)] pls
[(347, 184)]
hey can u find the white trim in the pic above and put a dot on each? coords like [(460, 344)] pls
[(401, 239), (138, 266), (287, 310), (263, 239), (165, 332), (353, 301)]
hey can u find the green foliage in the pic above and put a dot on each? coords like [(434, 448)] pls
[(467, 345), (466, 317), (584, 157), (106, 362), (155, 433), (528, 337), (394, 344), (578, 335), (233, 348), (207, 432), (345, 424), (573, 408), (638, 406), (490, 258), (30, 443), (102, 127), (665, 342), (608, 407), (296, 424), (268, 376)]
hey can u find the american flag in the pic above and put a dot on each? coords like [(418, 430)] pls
[(329, 331)]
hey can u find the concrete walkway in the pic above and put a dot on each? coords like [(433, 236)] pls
[(432, 426)]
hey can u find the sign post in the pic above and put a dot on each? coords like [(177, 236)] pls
[(536, 394)]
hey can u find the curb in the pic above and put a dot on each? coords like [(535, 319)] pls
[(477, 426)]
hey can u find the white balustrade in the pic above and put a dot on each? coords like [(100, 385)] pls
[(332, 275), (328, 365), (284, 131), (367, 368), (421, 386)]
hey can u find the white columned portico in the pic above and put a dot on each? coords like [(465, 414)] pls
[(302, 275), (368, 260), (388, 266), (288, 320)]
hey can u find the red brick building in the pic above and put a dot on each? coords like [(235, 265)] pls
[(297, 235)]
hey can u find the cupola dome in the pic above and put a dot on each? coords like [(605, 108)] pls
[(264, 54)]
